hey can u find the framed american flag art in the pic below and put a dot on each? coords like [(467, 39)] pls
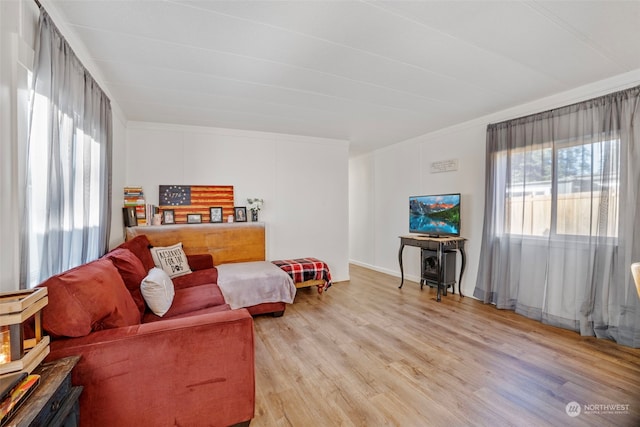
[(196, 199)]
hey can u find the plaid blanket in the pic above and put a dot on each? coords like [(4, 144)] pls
[(303, 269)]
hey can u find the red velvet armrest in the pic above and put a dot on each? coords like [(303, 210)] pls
[(190, 371), (200, 261)]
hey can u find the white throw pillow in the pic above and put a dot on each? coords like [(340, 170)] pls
[(171, 259), (157, 291)]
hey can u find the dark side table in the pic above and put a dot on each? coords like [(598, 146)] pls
[(55, 401), (440, 245)]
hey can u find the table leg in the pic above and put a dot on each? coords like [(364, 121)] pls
[(422, 280), (400, 262), (439, 270), (464, 261)]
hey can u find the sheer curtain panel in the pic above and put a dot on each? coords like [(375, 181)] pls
[(67, 207), (561, 225)]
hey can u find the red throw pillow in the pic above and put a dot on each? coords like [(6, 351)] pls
[(132, 271), (140, 245), (88, 298)]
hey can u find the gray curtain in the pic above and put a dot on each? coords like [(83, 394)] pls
[(67, 202), (561, 220)]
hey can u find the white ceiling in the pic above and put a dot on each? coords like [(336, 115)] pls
[(372, 72)]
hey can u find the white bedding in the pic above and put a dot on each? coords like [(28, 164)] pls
[(244, 284)]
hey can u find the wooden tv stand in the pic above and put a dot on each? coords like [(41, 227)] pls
[(439, 244)]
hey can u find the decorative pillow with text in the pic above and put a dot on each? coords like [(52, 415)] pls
[(171, 259)]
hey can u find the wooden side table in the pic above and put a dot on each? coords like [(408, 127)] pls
[(55, 401)]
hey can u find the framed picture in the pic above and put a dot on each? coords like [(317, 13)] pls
[(240, 214), (215, 214), (168, 216), (129, 215), (194, 218)]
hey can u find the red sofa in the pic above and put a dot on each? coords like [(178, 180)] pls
[(192, 367)]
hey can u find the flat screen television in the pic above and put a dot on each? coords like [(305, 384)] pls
[(435, 215)]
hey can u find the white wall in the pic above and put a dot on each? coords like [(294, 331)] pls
[(302, 180), (403, 170), (381, 183)]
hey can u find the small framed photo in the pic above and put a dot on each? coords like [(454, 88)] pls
[(215, 214), (194, 218), (240, 214), (168, 216), (130, 218)]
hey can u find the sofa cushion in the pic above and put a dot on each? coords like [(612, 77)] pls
[(196, 278), (140, 245), (157, 290), (132, 271), (87, 298), (171, 259), (192, 299), (150, 317), (200, 261)]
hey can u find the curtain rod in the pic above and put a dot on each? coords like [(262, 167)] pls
[(585, 101)]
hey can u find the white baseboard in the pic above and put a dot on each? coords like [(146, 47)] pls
[(407, 277), (390, 272)]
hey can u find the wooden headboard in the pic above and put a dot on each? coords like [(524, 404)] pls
[(226, 242)]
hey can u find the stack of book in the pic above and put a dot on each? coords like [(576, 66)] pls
[(134, 196)]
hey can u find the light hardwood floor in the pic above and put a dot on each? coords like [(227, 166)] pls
[(366, 353)]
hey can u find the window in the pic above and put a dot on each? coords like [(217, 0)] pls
[(561, 216), (564, 189), (74, 181)]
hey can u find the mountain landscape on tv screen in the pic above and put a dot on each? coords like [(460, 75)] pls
[(435, 215)]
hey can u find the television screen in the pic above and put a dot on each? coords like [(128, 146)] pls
[(435, 215)]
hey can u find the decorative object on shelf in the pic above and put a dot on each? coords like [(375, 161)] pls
[(230, 218), (240, 213), (194, 218), (129, 214), (215, 214), (254, 205), (168, 216), (16, 308), (157, 219)]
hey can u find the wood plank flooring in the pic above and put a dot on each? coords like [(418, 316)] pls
[(366, 353)]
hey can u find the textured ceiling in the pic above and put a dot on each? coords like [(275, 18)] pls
[(371, 72)]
